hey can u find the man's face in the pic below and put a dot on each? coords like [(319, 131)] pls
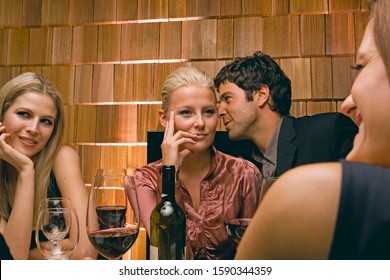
[(238, 115)]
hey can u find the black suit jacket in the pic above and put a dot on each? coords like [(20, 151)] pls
[(320, 138)]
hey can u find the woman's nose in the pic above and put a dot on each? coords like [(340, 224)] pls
[(32, 127), (199, 122), (348, 106)]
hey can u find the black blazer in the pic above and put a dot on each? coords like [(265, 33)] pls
[(320, 138)]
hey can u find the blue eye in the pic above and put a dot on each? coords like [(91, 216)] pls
[(185, 112), (210, 112), (23, 114), (47, 121)]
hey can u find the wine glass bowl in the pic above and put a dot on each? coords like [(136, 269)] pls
[(55, 202), (112, 222), (55, 224), (57, 232), (242, 194)]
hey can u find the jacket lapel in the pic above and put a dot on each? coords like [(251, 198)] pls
[(286, 150)]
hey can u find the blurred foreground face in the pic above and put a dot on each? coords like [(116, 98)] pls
[(195, 112), (368, 104), (30, 122)]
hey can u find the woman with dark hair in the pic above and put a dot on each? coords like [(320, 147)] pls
[(338, 210)]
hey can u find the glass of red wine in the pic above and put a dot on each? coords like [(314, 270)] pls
[(241, 198), (112, 222)]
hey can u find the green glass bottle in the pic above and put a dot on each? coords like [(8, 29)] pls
[(167, 222)]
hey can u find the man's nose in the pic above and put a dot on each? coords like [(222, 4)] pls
[(221, 110)]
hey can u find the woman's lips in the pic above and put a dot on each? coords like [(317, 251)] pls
[(28, 141), (201, 136)]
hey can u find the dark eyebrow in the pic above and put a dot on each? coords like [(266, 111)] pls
[(49, 117), (44, 117), (222, 95)]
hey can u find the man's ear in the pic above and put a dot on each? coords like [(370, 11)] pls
[(261, 96), (163, 118)]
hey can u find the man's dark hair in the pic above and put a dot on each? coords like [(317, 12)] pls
[(250, 73)]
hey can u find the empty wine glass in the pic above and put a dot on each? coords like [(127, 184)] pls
[(55, 202), (112, 222), (242, 196), (57, 232)]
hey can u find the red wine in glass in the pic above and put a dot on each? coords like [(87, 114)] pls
[(112, 243), (111, 216), (112, 219)]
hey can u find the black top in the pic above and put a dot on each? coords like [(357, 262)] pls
[(4, 250), (363, 222), (52, 191)]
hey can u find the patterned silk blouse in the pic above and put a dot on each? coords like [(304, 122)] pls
[(206, 234)]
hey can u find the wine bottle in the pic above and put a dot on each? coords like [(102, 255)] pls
[(167, 222)]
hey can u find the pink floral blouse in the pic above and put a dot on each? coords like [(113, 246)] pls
[(206, 234)]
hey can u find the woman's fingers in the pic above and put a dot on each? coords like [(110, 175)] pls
[(2, 128), (170, 125), (3, 136)]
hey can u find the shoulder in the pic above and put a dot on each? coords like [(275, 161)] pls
[(70, 157), (306, 186), (314, 175), (151, 170), (297, 216), (67, 153)]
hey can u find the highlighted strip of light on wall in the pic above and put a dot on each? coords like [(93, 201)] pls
[(112, 144)]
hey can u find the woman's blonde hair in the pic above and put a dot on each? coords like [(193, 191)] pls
[(185, 76), (44, 159)]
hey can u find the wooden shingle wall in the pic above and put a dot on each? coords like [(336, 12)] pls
[(109, 58)]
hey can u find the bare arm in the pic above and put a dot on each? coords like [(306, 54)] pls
[(67, 172), (17, 230), (297, 217)]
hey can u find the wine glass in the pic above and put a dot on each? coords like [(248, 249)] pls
[(57, 232), (112, 222), (242, 195), (55, 202)]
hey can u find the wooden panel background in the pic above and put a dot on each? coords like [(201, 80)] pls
[(109, 58)]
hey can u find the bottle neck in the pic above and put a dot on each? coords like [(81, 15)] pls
[(168, 181)]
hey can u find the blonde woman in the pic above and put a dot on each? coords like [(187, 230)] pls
[(189, 115), (34, 164)]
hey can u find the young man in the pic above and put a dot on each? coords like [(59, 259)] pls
[(255, 101)]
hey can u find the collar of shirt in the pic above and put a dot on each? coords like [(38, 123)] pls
[(269, 158)]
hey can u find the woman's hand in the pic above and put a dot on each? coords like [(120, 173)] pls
[(172, 152), (11, 155)]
